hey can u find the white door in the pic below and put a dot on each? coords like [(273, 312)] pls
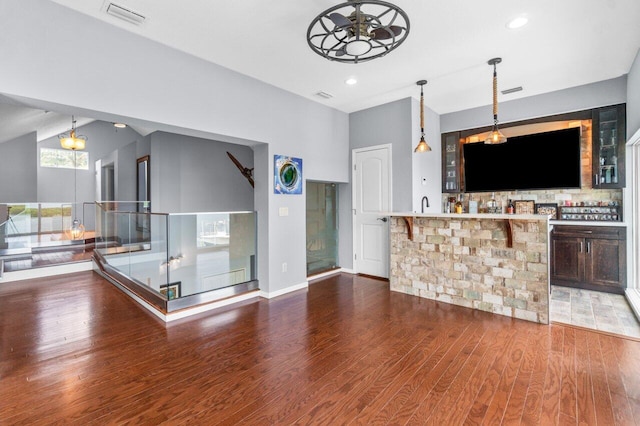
[(371, 196)]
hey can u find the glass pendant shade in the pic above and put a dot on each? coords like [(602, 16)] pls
[(422, 146), (73, 142), (76, 232), (495, 137)]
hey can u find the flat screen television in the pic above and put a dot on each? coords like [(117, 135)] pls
[(549, 160)]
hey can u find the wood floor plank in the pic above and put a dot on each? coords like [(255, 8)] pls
[(460, 409), (620, 402), (458, 368), (515, 405), (601, 394), (419, 393), (568, 398), (76, 350), (534, 397), (584, 381)]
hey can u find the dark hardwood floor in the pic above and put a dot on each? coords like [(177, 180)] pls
[(75, 350)]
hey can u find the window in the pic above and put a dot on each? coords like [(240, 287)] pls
[(65, 159)]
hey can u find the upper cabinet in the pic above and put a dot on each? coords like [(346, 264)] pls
[(609, 137), (451, 170)]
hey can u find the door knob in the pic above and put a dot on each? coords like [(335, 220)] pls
[(384, 219)]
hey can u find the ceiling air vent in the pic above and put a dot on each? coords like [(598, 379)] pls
[(125, 14), (324, 95), (512, 90)]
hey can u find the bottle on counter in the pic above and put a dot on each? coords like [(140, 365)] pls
[(452, 205), (458, 205), (473, 205), (492, 204), (482, 207), (511, 209)]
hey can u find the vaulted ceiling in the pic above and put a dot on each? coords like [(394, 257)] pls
[(565, 44)]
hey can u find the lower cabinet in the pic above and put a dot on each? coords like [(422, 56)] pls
[(589, 257)]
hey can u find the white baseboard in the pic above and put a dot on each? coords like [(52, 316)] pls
[(47, 271), (185, 313), (272, 294), (210, 306), (348, 271), (326, 274)]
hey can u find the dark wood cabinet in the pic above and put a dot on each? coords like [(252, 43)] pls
[(589, 257), (451, 167), (608, 144)]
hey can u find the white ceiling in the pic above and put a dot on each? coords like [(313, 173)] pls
[(567, 43)]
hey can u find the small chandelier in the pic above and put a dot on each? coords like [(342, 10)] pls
[(422, 145), (72, 141), (495, 136), (358, 31)]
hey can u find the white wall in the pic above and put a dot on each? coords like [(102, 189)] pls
[(128, 78), (18, 170), (427, 165), (633, 97)]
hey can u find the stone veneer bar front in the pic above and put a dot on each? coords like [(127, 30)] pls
[(472, 261)]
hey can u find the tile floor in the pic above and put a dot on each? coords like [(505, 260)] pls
[(593, 309)]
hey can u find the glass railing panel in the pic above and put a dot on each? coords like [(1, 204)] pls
[(133, 243), (208, 251), (178, 255), (41, 225)]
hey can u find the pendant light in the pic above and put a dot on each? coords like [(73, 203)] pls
[(495, 136), (72, 141), (77, 229), (422, 145)]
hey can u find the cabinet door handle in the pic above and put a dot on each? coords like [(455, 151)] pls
[(580, 246), (596, 181), (588, 246)]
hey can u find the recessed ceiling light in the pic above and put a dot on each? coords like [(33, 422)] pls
[(119, 125), (351, 81), (517, 22)]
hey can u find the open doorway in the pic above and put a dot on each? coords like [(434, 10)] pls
[(322, 227)]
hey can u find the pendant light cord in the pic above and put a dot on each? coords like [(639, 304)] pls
[(495, 96), (75, 178), (421, 110)]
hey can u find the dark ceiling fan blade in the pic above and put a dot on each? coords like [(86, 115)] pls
[(386, 32), (340, 21), (246, 172)]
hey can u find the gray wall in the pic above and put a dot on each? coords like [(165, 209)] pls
[(175, 92), (396, 123), (103, 141), (18, 170), (633, 97), (196, 175), (427, 165), (608, 92), (388, 124)]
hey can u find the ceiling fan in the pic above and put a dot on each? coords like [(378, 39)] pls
[(358, 30)]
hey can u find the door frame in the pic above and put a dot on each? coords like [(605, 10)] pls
[(631, 216), (354, 186)]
